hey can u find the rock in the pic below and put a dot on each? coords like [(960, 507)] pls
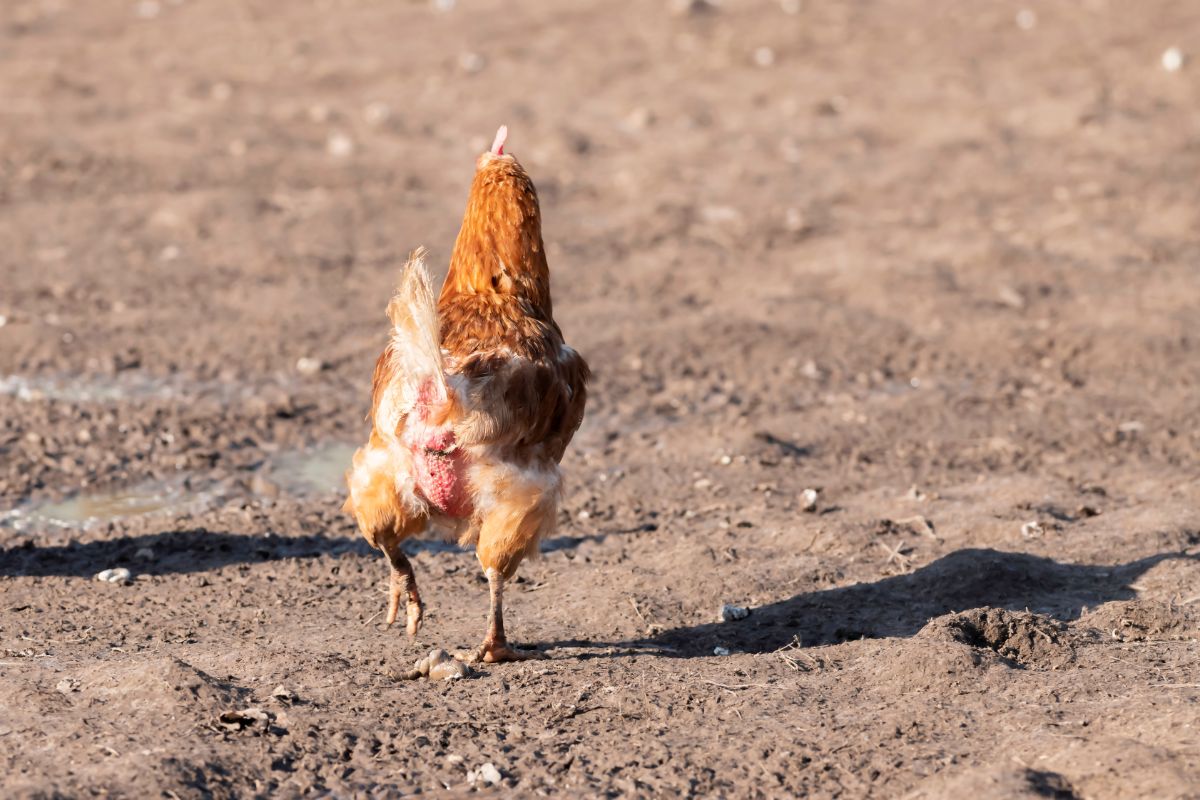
[(687, 8), (451, 670), (730, 613), (471, 63), (720, 651), (148, 9), (1172, 59), (115, 575), (339, 145), (283, 695), (1010, 297), (239, 720), (1032, 529), (309, 366), (486, 774), (263, 486), (638, 119), (437, 666), (67, 685), (377, 113), (808, 500)]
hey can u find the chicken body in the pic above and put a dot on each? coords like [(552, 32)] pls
[(474, 401)]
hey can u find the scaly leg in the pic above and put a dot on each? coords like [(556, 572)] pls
[(495, 647), (403, 584)]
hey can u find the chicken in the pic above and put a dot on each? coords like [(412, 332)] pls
[(473, 401)]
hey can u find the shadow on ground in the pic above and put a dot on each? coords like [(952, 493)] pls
[(173, 552), (199, 550), (902, 605)]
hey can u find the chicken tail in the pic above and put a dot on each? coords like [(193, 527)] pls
[(416, 332)]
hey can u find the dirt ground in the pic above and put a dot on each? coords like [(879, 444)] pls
[(936, 260)]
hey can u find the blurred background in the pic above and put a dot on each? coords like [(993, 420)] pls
[(926, 270)]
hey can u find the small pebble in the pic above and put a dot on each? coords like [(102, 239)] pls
[(3, 320), (764, 57), (147, 9), (638, 120), (471, 63), (377, 113), (1026, 19), (720, 651), (1172, 59), (309, 366), (451, 670), (245, 718), (730, 613), (487, 774), (115, 575), (1032, 529), (444, 5), (263, 486), (808, 500), (283, 694), (339, 145), (684, 8)]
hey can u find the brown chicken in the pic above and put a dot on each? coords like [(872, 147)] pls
[(473, 402)]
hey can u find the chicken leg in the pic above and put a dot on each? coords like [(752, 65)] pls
[(403, 584), (495, 649)]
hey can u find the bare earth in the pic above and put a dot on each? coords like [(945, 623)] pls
[(937, 264)]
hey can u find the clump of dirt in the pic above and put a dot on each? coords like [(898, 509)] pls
[(1143, 620), (166, 681), (1002, 781), (1019, 638)]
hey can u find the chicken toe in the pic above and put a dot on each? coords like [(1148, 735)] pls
[(403, 585)]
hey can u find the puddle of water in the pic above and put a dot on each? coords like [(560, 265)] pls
[(125, 503), (129, 385), (317, 470), (86, 509), (314, 471)]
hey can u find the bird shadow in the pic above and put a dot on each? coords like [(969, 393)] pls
[(901, 605), (199, 549)]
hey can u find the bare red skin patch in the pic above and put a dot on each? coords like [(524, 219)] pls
[(441, 475), (440, 465)]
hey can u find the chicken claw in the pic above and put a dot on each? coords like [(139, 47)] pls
[(404, 584), (497, 654)]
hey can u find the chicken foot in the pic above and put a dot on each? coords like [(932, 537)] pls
[(495, 649), (403, 584)]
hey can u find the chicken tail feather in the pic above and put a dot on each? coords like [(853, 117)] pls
[(416, 338)]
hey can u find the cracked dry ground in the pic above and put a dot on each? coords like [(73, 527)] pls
[(934, 264)]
